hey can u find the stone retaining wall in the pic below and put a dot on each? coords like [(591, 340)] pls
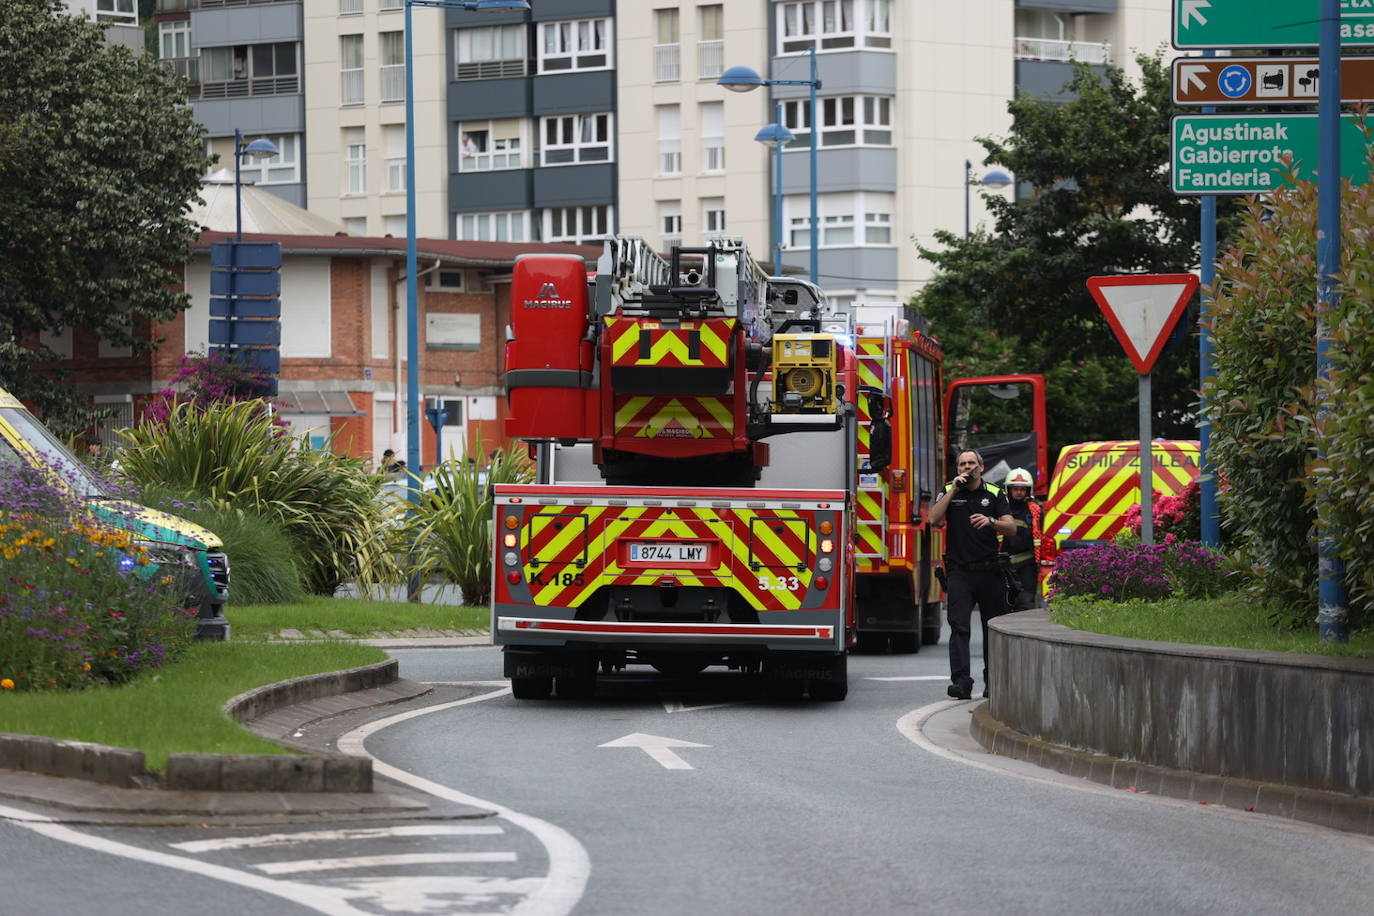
[(1295, 720)]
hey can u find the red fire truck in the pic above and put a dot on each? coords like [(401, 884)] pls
[(716, 454)]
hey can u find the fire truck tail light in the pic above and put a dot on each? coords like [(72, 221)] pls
[(513, 577), (510, 540), (822, 583), (511, 558), (827, 545), (827, 527), (825, 564), (897, 479), (512, 522)]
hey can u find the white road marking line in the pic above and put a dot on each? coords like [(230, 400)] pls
[(314, 836), (562, 888), (436, 894), (329, 901), (409, 858), (501, 683), (672, 706), (914, 677), (656, 747)]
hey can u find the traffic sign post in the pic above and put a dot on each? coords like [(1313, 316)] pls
[(1252, 153), (1266, 24), (1142, 310), (1266, 80)]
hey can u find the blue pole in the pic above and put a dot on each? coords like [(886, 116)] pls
[(1331, 610), (1211, 525), (815, 129), (412, 262), (777, 194)]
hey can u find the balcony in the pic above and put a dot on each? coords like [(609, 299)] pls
[(710, 59), (242, 89), (667, 63), (1057, 50), (181, 6), (491, 69), (188, 68)]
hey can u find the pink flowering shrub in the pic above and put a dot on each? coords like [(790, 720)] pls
[(1179, 515), (206, 380), (1113, 572)]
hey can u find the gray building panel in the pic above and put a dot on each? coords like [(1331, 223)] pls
[(471, 100), (574, 93), (848, 268), (853, 168), (291, 193), (470, 192), (840, 73), (1046, 79), (269, 114), (575, 185), (237, 25), (1070, 6)]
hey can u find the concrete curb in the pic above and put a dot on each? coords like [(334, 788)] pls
[(1327, 809), (125, 768)]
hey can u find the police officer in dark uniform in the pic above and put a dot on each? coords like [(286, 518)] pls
[(977, 512), (1023, 547)]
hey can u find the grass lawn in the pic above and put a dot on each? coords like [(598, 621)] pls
[(177, 709), (1227, 621), (354, 616)]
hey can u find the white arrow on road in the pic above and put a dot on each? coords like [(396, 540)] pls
[(1192, 9), (657, 748), (1192, 76)]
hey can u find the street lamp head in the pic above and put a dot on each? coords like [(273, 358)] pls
[(741, 79), (996, 179), (774, 135), (261, 148)]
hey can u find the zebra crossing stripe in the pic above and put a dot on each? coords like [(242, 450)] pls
[(410, 858), (266, 840)]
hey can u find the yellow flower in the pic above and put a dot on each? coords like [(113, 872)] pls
[(7, 684)]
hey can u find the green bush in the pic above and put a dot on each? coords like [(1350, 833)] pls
[(451, 527), (262, 556), (235, 455)]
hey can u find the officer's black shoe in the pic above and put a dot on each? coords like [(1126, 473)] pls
[(960, 692), (985, 693)]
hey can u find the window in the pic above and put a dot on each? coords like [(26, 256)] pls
[(116, 11), (392, 4), (670, 223), (577, 138), (347, 7), (845, 120), (490, 52), (243, 70), (834, 24), (356, 225), (393, 66), (395, 225), (582, 44), (283, 168), (446, 280), (491, 145), (355, 161), (669, 140), (394, 136), (174, 39), (713, 136), (510, 226), (713, 217), (584, 225), (667, 51), (710, 41), (351, 69), (841, 216)]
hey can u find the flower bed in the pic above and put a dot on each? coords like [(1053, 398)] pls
[(1123, 572)]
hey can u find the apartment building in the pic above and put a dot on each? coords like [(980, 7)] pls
[(905, 89), (119, 17)]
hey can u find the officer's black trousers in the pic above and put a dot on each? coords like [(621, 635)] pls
[(988, 591), (1028, 575)]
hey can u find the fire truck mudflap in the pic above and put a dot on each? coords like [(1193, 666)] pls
[(591, 579)]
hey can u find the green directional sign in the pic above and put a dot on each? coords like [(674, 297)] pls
[(1266, 23), (1246, 153)]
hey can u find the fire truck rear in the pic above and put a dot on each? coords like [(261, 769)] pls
[(694, 433)]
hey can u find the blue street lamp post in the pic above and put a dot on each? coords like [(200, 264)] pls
[(412, 258), (261, 148), (777, 136), (745, 79), (996, 179)]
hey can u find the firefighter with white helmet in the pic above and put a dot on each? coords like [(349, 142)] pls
[(1023, 546)]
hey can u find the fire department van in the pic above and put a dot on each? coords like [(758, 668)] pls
[(1095, 483)]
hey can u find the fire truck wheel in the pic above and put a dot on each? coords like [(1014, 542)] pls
[(531, 688), (785, 690), (576, 688), (834, 688)]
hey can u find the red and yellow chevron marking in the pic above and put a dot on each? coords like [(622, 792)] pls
[(670, 348), (777, 540), (1098, 482), (660, 417), (872, 354)]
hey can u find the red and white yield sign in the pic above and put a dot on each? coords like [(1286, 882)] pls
[(1142, 310)]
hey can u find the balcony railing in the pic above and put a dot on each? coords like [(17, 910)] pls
[(713, 154), (179, 6), (240, 89), (393, 83), (1089, 52), (667, 63), (491, 69), (188, 68), (710, 59), (351, 87)]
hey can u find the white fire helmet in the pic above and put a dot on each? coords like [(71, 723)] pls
[(1018, 477)]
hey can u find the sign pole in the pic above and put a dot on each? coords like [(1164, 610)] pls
[(1331, 608), (1207, 490), (1147, 466)]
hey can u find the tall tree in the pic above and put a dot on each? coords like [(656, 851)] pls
[(1015, 299), (100, 159)]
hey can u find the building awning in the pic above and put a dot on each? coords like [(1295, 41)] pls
[(330, 403)]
